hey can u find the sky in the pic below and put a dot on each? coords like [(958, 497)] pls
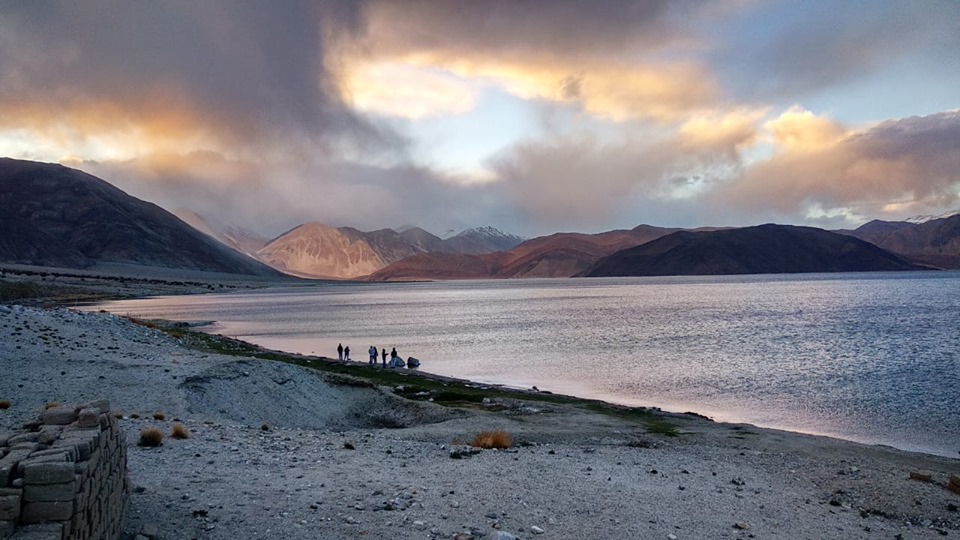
[(532, 116)]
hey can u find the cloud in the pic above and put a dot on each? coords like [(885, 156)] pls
[(404, 91), (912, 161), (797, 129), (271, 196), (232, 77), (790, 50), (608, 58), (819, 172), (588, 182)]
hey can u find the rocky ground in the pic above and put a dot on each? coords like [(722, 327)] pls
[(282, 451)]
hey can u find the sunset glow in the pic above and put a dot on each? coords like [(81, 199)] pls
[(530, 116)]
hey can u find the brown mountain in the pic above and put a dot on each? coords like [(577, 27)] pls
[(317, 250), (935, 242), (557, 255), (423, 240), (59, 216), (764, 249), (388, 244)]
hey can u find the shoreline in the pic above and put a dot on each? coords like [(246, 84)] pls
[(300, 447), (269, 456), (534, 391), (188, 288)]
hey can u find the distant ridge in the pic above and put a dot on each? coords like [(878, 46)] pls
[(764, 249), (556, 255), (934, 242), (321, 251), (57, 216)]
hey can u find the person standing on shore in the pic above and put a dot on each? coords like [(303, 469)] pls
[(346, 354), (339, 352), (372, 352), (383, 353)]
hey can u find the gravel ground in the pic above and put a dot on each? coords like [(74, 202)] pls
[(325, 468)]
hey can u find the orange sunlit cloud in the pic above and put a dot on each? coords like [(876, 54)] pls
[(104, 129), (910, 161), (406, 91), (429, 83), (799, 129)]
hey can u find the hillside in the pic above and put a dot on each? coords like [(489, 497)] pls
[(57, 216), (556, 255), (935, 242), (764, 249)]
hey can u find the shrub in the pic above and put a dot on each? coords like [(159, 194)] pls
[(264, 427), (134, 416), (5, 404), (179, 431), (349, 445), (492, 439), (159, 415), (150, 437)]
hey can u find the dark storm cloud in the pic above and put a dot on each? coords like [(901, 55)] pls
[(241, 71), (542, 27)]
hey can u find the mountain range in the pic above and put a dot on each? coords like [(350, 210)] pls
[(316, 250), (51, 215)]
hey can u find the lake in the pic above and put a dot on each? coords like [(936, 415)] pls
[(872, 357)]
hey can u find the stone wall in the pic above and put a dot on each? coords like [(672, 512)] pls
[(64, 476)]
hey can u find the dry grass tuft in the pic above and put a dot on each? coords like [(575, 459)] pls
[(5, 404), (134, 416), (159, 415), (492, 439), (51, 405), (179, 431), (264, 427), (150, 437)]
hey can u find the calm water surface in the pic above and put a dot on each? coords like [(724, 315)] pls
[(868, 357)]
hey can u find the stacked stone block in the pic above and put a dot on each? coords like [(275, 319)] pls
[(66, 477)]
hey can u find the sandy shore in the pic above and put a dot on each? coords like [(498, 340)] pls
[(339, 459)]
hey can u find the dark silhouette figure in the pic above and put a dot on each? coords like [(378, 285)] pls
[(340, 352), (346, 354), (383, 352)]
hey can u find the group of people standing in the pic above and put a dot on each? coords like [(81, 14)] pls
[(343, 355)]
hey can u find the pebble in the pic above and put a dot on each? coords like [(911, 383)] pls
[(536, 530)]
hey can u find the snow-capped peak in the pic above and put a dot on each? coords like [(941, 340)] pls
[(926, 218)]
